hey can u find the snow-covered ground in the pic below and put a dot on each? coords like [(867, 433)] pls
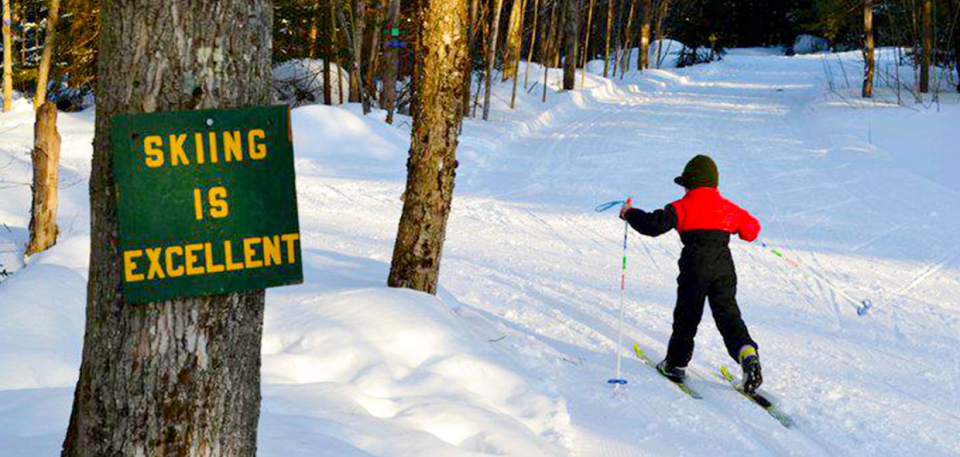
[(512, 356)]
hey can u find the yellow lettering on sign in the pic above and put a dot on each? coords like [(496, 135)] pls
[(177, 154), (213, 147), (271, 251), (249, 252), (290, 238), (130, 265), (190, 253), (154, 157), (156, 267), (228, 254), (198, 204), (174, 272), (198, 144), (218, 206), (208, 253), (257, 151), (231, 146)]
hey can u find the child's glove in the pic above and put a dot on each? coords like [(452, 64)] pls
[(623, 209)]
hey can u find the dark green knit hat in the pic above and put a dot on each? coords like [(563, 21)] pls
[(700, 171)]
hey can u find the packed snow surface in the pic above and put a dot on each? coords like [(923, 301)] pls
[(512, 356)]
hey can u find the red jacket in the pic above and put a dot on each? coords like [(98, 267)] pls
[(700, 209), (705, 209)]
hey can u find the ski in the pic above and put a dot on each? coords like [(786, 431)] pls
[(757, 398), (683, 387)]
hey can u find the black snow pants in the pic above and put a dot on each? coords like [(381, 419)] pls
[(706, 271)]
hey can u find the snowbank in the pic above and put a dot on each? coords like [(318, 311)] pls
[(300, 81), (809, 44)]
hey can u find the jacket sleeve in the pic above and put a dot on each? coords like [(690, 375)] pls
[(748, 226), (654, 223)]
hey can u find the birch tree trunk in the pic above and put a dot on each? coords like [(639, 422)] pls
[(178, 377), (927, 32), (606, 43), (512, 46), (391, 65), (441, 54), (491, 56), (643, 62), (7, 58), (49, 41), (571, 37), (46, 161), (868, 62)]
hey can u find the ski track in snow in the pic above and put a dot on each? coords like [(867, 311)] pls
[(534, 273)]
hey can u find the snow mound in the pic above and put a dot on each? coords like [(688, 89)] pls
[(300, 81), (371, 362)]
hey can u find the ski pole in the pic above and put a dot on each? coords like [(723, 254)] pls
[(618, 380), (862, 306)]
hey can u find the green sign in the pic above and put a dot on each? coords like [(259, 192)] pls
[(207, 202)]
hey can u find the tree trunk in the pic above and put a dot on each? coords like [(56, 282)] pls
[(517, 51), (658, 32), (441, 58), (511, 54), (471, 40), (312, 45), (49, 41), (585, 52), (46, 160), (606, 41), (571, 37), (392, 65), (551, 38), (867, 49), (627, 41), (178, 377), (7, 58), (643, 60), (373, 57), (927, 37), (533, 41), (356, 49), (328, 56), (491, 56)]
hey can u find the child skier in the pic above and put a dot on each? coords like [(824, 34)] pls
[(705, 221)]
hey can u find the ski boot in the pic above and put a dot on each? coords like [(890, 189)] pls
[(675, 374), (750, 363)]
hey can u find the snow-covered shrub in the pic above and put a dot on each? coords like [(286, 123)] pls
[(809, 44), (300, 82)]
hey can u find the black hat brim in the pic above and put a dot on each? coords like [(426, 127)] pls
[(679, 181)]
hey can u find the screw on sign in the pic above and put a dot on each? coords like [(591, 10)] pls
[(207, 202)]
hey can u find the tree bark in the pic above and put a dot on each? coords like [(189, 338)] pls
[(312, 45), (49, 41), (643, 60), (927, 32), (392, 65), (178, 377), (7, 58), (441, 58), (46, 160), (491, 56), (373, 57), (356, 49), (606, 43), (868, 62), (511, 49), (551, 38), (585, 52), (571, 37), (627, 39)]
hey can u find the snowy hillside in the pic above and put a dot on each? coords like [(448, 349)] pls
[(512, 356)]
